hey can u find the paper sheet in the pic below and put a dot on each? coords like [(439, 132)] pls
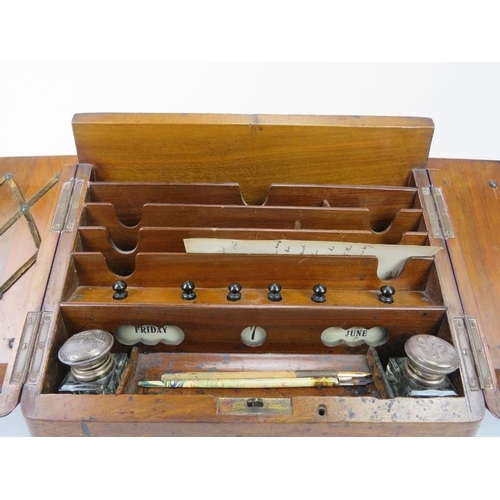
[(391, 258)]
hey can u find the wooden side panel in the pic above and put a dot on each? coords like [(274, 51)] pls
[(253, 150), (151, 415), (28, 195), (472, 194)]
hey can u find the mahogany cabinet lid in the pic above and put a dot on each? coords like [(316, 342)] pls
[(471, 193), (254, 151), (29, 190)]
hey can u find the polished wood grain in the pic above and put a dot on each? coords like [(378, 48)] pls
[(254, 151), (473, 201), (373, 166), (129, 198), (150, 367), (227, 216), (255, 271), (30, 174), (196, 415), (171, 240), (296, 329), (384, 203)]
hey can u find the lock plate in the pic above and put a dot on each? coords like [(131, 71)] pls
[(254, 406)]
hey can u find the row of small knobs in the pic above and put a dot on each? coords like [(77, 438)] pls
[(274, 292)]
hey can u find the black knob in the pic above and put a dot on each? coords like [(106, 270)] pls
[(234, 292), (188, 290), (274, 294), (319, 292), (386, 293), (120, 288)]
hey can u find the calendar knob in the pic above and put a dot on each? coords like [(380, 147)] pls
[(274, 294), (234, 292), (120, 288), (188, 290), (319, 294), (386, 294)]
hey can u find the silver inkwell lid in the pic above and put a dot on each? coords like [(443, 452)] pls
[(88, 355), (429, 360)]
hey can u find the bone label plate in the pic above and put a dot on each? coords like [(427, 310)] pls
[(354, 336), (149, 334)]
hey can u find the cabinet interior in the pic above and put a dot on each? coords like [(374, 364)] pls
[(135, 232)]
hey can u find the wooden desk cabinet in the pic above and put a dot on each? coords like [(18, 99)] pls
[(143, 183)]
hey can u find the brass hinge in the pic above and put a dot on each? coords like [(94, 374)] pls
[(67, 205), (478, 350), (25, 348), (437, 210), (468, 356), (31, 348), (40, 347)]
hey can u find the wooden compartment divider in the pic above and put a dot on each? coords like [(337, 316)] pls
[(128, 198), (217, 327), (207, 270), (209, 216), (171, 240), (383, 202)]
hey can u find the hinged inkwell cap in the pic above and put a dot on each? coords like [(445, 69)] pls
[(429, 359), (88, 355)]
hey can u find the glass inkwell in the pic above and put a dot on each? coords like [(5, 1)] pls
[(424, 372), (93, 368)]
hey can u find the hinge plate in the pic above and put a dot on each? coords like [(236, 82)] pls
[(437, 211), (25, 348), (67, 205), (62, 206), (477, 346), (32, 348), (467, 354), (40, 347), (443, 214)]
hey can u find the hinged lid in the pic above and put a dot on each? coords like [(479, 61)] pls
[(254, 151), (470, 193), (28, 194)]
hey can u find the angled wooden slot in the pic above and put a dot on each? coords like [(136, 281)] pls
[(158, 278), (151, 239), (170, 239), (97, 239), (252, 271), (383, 202), (225, 216), (128, 198), (406, 220), (286, 218)]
